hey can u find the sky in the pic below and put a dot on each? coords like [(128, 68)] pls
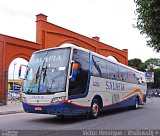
[(14, 68), (111, 20)]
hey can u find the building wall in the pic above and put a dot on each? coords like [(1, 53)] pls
[(48, 35)]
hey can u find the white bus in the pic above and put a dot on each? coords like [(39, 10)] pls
[(71, 80)]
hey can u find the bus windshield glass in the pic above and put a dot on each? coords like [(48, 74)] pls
[(47, 72)]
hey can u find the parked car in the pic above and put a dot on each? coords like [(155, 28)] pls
[(157, 93)]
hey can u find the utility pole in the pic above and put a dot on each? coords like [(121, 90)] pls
[(13, 74)]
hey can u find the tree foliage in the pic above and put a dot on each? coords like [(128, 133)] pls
[(148, 65), (148, 21), (137, 63), (152, 63), (134, 62)]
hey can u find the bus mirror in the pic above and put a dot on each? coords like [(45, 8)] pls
[(22, 70), (74, 72), (139, 81), (75, 66)]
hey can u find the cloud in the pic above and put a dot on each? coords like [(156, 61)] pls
[(111, 20)]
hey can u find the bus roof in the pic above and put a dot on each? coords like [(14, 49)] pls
[(96, 54)]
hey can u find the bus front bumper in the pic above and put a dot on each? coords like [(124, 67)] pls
[(62, 108)]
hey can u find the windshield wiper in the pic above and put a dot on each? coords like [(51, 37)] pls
[(44, 73), (29, 91), (41, 72), (37, 74), (30, 88), (33, 83)]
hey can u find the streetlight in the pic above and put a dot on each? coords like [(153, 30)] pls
[(13, 74)]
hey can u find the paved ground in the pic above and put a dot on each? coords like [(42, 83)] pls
[(146, 118), (11, 108)]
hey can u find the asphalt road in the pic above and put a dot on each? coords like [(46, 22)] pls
[(145, 118)]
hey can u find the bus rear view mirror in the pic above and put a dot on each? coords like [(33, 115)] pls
[(74, 72), (22, 72)]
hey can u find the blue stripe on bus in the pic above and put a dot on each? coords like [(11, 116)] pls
[(125, 103), (66, 108), (63, 108)]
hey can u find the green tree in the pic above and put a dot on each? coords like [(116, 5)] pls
[(152, 63), (137, 63), (148, 21), (134, 62)]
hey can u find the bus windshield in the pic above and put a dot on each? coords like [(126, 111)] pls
[(47, 72)]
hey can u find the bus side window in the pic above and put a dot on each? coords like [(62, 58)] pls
[(113, 71), (99, 67), (123, 76), (132, 77), (96, 70)]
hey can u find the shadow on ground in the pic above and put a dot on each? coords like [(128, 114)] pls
[(80, 118)]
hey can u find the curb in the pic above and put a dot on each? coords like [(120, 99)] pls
[(11, 112)]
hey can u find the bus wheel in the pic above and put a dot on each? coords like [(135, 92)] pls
[(95, 109), (136, 106), (60, 116)]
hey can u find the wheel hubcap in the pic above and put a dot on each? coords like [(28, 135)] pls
[(136, 104), (95, 109)]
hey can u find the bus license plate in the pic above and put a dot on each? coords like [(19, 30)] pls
[(38, 108)]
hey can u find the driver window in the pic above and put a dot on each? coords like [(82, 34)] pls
[(79, 84)]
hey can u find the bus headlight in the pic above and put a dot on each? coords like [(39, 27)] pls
[(24, 99), (58, 99)]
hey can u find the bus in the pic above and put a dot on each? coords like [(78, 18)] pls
[(70, 80)]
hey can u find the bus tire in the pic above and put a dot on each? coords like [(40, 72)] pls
[(136, 104), (95, 109), (61, 116)]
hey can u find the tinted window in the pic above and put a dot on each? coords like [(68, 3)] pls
[(106, 69), (113, 71), (132, 77), (47, 71), (99, 67), (79, 86), (123, 73)]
